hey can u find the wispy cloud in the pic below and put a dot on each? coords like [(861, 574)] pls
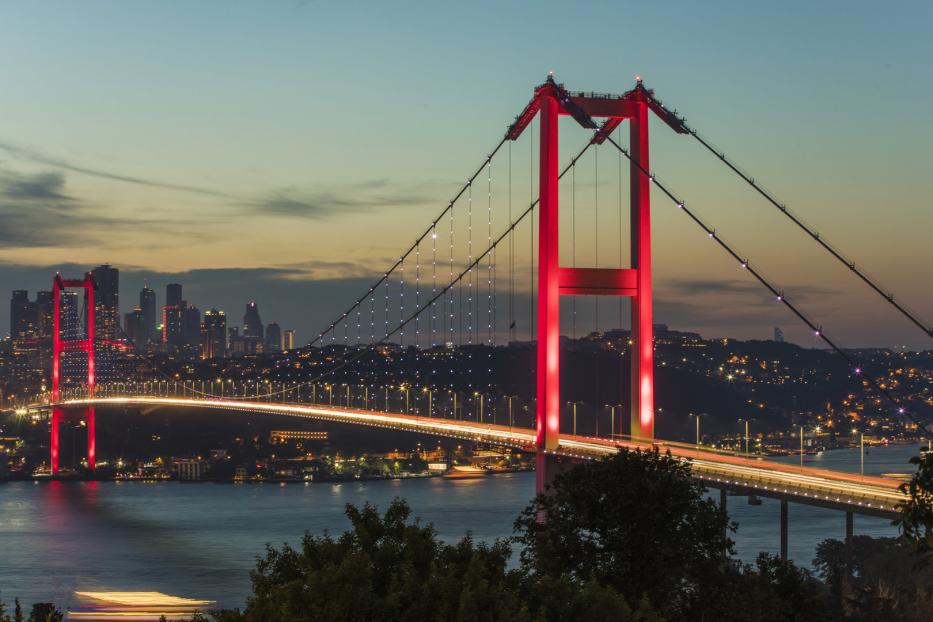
[(30, 154), (36, 210), (352, 198)]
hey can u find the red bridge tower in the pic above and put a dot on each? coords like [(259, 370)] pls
[(550, 101), (59, 346)]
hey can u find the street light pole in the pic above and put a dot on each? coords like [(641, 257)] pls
[(801, 445), (862, 452), (746, 438)]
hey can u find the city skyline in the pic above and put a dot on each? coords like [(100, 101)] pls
[(245, 177)]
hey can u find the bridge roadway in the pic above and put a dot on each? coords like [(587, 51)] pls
[(858, 494)]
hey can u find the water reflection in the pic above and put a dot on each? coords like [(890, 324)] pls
[(142, 606)]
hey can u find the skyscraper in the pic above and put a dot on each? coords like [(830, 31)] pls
[(22, 315), (252, 323), (107, 301), (147, 304), (181, 329), (273, 338), (173, 295), (214, 335), (45, 306), (134, 323), (288, 339)]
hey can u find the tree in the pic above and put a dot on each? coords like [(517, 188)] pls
[(776, 590), (916, 519), (384, 568), (634, 522), (45, 612), (389, 567), (889, 579)]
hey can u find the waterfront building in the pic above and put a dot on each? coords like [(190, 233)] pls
[(191, 470)]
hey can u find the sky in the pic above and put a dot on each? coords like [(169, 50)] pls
[(287, 152)]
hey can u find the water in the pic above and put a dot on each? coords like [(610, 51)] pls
[(201, 540)]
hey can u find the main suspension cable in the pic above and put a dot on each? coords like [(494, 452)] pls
[(779, 294), (782, 207)]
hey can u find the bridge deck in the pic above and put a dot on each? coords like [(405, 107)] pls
[(859, 494)]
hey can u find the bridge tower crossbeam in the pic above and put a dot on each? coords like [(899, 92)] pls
[(59, 347)]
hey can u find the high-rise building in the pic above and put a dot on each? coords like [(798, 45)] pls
[(191, 319), (107, 301), (288, 339), (22, 315), (45, 306), (173, 295), (252, 323), (181, 329), (147, 304), (134, 323), (214, 335), (273, 338), (70, 325), (173, 335)]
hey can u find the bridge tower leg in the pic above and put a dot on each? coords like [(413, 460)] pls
[(548, 352), (642, 355)]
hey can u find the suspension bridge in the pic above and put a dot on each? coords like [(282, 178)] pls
[(466, 281)]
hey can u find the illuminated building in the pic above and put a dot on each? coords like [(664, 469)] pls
[(147, 303), (173, 295), (283, 436), (107, 301), (22, 315), (214, 335), (134, 324), (273, 338), (44, 310), (190, 470), (288, 339), (252, 323), (181, 329)]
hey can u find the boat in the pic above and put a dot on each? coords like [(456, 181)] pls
[(465, 471)]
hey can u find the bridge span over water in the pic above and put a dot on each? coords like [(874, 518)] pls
[(726, 471)]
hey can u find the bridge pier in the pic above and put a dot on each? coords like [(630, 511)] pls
[(784, 511), (849, 530)]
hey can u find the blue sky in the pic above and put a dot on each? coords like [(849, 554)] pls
[(310, 140)]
